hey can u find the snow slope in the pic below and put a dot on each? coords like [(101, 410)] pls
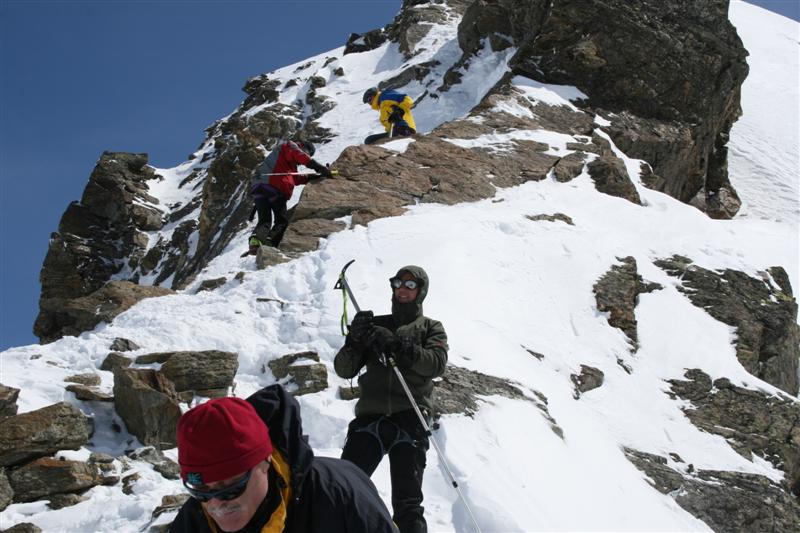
[(501, 284)]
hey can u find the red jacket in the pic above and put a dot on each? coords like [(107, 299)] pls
[(279, 169)]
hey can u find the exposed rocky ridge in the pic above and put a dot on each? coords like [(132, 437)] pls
[(763, 311), (460, 390), (76, 315), (667, 73), (43, 432), (725, 501), (98, 235), (378, 183), (617, 293), (753, 422)]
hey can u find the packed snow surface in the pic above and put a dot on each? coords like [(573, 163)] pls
[(502, 285)]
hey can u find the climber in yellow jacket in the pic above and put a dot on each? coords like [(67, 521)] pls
[(395, 109)]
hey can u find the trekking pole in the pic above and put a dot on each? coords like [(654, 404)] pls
[(345, 287), (333, 173)]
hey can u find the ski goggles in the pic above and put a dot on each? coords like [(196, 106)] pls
[(409, 284), (231, 492)]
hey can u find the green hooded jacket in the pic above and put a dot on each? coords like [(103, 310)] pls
[(381, 391)]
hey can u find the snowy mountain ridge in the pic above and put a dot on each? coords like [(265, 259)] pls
[(506, 284)]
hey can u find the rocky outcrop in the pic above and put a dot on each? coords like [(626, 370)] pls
[(617, 293), (763, 311), (123, 345), (212, 284), (72, 317), (460, 390), (148, 404), (89, 394), (306, 375), (114, 360), (560, 217), (725, 501), (590, 378), (6, 492), (8, 401), (47, 476), (753, 423), (667, 73), (98, 235), (160, 462), (611, 177), (364, 42), (209, 373), (90, 379), (43, 432)]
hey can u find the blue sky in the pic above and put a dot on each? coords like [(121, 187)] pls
[(81, 77)]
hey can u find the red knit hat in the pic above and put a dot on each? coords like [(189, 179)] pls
[(221, 439)]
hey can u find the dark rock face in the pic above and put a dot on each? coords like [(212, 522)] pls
[(308, 377), (123, 345), (72, 317), (161, 463), (148, 404), (358, 42), (104, 233), (43, 432), (8, 401), (208, 373), (590, 378), (725, 501), (764, 311), (617, 293), (460, 390), (89, 394), (561, 217), (46, 476), (6, 492), (90, 379), (114, 360), (659, 66), (304, 235), (751, 421), (569, 167), (611, 177), (211, 284), (97, 235), (59, 501)]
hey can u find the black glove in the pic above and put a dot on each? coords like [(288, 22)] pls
[(407, 352), (380, 339), (359, 327), (402, 130), (396, 115), (322, 170)]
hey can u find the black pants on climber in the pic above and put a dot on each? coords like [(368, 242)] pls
[(397, 131), (266, 207), (400, 436)]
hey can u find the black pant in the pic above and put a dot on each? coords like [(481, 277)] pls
[(399, 130), (402, 437), (266, 207)]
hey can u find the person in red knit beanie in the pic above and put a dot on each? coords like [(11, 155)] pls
[(249, 468)]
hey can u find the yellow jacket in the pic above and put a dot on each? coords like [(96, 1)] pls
[(386, 101)]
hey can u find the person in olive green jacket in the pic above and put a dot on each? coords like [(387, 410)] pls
[(385, 421)]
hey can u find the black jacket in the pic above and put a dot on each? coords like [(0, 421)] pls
[(328, 495)]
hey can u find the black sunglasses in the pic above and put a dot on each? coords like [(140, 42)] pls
[(410, 284), (231, 492)]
